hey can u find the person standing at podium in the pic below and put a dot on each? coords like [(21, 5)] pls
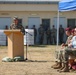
[(17, 25)]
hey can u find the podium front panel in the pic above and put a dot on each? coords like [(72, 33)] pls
[(15, 43)]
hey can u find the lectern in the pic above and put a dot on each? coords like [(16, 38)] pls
[(15, 43)]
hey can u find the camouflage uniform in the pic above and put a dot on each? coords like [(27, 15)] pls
[(61, 35), (53, 35), (35, 34), (13, 26), (48, 35), (41, 34), (60, 54), (67, 52)]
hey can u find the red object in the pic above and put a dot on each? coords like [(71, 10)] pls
[(68, 29), (74, 67), (72, 30)]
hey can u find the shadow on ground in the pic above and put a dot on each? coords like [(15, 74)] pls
[(36, 61), (42, 61), (38, 46)]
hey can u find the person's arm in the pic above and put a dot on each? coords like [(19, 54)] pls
[(10, 26), (69, 42), (63, 44), (23, 30)]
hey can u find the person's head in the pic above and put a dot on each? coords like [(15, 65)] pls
[(53, 26), (15, 19), (6, 27), (26, 27), (60, 26), (68, 31), (33, 26)]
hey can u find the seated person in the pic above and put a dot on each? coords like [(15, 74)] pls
[(69, 52), (72, 45), (59, 53)]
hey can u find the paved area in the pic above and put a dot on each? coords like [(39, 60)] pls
[(40, 59)]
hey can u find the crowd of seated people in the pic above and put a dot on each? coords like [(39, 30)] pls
[(66, 56)]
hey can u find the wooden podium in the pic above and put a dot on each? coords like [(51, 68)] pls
[(15, 43)]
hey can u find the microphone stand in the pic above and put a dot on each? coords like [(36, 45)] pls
[(27, 44)]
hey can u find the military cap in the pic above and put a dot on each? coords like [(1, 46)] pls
[(72, 30), (68, 29), (15, 17)]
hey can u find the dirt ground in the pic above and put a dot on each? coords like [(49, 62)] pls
[(40, 59)]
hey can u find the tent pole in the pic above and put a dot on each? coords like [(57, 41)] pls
[(58, 28)]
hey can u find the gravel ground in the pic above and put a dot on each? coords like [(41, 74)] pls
[(40, 59)]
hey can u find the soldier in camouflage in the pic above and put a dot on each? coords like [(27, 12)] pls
[(48, 36), (61, 34), (35, 33), (17, 25), (41, 34), (53, 35), (60, 57), (66, 53)]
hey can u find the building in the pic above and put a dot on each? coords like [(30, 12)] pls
[(34, 12)]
